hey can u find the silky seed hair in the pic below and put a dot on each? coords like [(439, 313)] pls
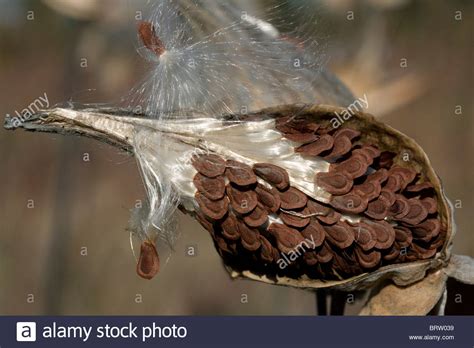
[(215, 58)]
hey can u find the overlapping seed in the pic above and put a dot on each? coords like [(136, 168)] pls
[(258, 219)]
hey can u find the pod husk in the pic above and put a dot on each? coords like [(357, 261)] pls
[(386, 138)]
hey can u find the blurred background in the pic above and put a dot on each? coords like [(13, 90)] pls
[(65, 201)]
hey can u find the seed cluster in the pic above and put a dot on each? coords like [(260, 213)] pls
[(379, 213)]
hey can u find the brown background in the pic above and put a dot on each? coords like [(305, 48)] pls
[(85, 204)]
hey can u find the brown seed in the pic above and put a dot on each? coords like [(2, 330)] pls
[(399, 208), (270, 198), (266, 251), (389, 196), (330, 219), (393, 253), (408, 175), (242, 201), (368, 259), (421, 252), (342, 145), (287, 238), (384, 233), (209, 165), (250, 237), (427, 230), (311, 258), (403, 236), (212, 188), (273, 174), (430, 205), (214, 210), (325, 254), (334, 182), (369, 189), (347, 132), (149, 262), (293, 199), (380, 175), (416, 214), (324, 143), (240, 173), (386, 159), (257, 217), (223, 246), (349, 203), (318, 208), (378, 209), (302, 137), (364, 236), (420, 187), (394, 183), (294, 220), (230, 227), (147, 34), (353, 167), (315, 233), (339, 235), (371, 150)]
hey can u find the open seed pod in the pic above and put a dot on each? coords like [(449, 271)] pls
[(376, 210)]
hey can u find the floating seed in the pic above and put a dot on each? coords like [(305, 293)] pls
[(149, 262)]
